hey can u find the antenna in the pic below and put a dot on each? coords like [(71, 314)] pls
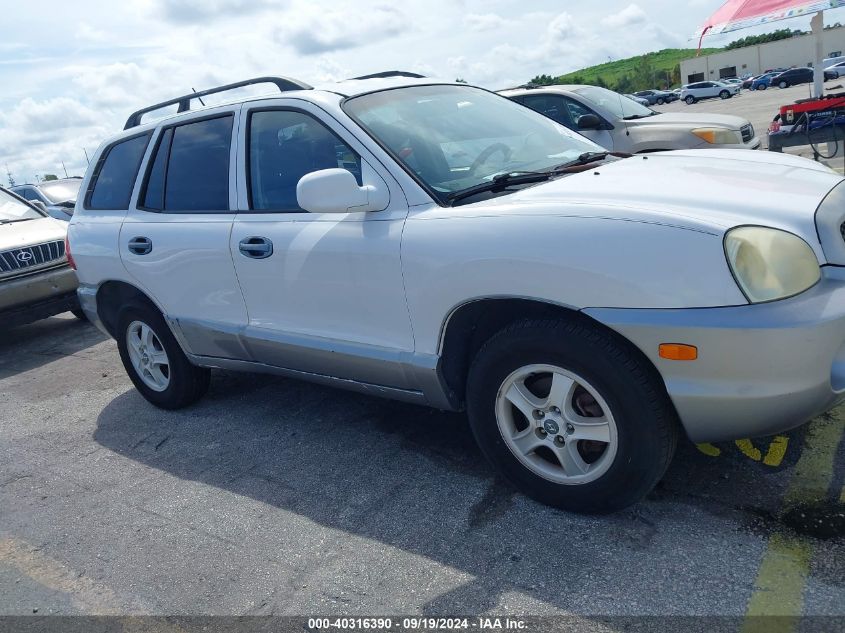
[(9, 175), (65, 168), (88, 160), (200, 98)]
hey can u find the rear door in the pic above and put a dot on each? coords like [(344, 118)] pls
[(324, 291), (175, 239)]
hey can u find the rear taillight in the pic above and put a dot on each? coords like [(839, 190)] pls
[(70, 261)]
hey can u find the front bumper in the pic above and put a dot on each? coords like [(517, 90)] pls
[(38, 295), (761, 369)]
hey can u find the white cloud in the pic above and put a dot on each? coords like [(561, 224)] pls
[(480, 22), (80, 70), (632, 14), (319, 31)]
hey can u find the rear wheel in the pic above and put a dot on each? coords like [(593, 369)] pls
[(689, 99), (724, 94), (154, 361), (783, 84), (762, 87), (570, 415), (660, 101)]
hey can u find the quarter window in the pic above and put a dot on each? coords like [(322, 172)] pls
[(115, 172), (284, 145)]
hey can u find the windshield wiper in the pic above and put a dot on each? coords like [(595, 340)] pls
[(584, 159), (500, 181)]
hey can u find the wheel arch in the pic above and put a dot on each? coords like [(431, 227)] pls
[(469, 325), (112, 295)]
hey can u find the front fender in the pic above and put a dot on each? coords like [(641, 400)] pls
[(572, 261)]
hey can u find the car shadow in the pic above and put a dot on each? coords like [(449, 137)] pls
[(30, 346), (412, 478)]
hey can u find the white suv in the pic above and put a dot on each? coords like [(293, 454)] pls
[(708, 90), (440, 244)]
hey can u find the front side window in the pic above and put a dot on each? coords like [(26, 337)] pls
[(611, 101), (13, 210), (552, 106), (285, 145), (115, 172), (452, 138)]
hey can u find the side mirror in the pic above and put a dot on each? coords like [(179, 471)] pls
[(337, 191), (589, 122), (39, 204)]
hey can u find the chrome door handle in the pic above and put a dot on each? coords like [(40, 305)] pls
[(256, 247), (140, 245)]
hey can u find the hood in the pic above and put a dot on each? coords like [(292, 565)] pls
[(692, 120), (31, 232), (704, 190)]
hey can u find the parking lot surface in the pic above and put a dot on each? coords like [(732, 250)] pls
[(277, 496), (760, 107)]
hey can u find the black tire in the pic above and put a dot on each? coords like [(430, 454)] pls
[(646, 423), (79, 314), (762, 87), (783, 84), (724, 94), (689, 99), (661, 101), (187, 382)]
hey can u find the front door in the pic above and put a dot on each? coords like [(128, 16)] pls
[(324, 291)]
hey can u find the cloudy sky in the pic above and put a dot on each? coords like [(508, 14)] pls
[(71, 72)]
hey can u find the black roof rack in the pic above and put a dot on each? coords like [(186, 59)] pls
[(284, 84), (390, 73)]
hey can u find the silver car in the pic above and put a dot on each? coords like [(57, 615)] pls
[(56, 197), (616, 123), (35, 279)]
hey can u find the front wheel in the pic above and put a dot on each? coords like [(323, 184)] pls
[(154, 361), (571, 415), (762, 87), (660, 101), (724, 94), (689, 100), (783, 84)]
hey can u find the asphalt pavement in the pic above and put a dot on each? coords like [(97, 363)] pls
[(273, 496)]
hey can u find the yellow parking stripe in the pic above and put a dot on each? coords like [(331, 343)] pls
[(779, 588), (90, 597), (777, 451)]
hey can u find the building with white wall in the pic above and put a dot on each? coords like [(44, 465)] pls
[(795, 51)]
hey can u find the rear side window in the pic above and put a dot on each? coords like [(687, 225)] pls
[(190, 169), (115, 172), (284, 145)]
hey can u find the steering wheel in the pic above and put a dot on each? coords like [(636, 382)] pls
[(487, 152)]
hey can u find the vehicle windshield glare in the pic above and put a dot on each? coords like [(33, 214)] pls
[(453, 138), (13, 210), (62, 191), (614, 102)]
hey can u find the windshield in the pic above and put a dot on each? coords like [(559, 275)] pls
[(456, 137), (61, 191), (13, 210), (613, 102)]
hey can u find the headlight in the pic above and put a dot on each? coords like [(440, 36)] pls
[(770, 264), (719, 136)]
